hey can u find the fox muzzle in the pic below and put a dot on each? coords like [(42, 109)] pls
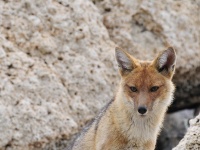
[(142, 110)]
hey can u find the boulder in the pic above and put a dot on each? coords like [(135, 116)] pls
[(191, 140), (57, 68), (174, 129)]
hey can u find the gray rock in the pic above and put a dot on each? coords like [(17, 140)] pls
[(174, 129), (56, 59), (192, 138)]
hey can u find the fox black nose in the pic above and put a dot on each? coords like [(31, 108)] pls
[(142, 110)]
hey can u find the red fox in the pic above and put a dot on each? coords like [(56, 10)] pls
[(132, 121)]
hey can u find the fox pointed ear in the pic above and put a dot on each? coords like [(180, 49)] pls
[(165, 62), (124, 61)]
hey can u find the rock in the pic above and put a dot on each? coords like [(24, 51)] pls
[(191, 140), (29, 115), (55, 58), (2, 53), (174, 129), (58, 67)]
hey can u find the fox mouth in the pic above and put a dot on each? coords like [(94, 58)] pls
[(143, 115)]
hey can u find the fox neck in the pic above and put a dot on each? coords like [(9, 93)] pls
[(133, 125)]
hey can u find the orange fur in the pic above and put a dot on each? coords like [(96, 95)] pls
[(121, 125), (143, 78)]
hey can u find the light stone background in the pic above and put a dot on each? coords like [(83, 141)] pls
[(191, 140), (57, 65)]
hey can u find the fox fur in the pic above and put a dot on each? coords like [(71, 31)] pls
[(122, 125)]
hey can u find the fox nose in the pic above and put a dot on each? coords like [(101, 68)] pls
[(142, 110)]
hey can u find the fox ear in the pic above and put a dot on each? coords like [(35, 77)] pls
[(165, 62), (124, 61)]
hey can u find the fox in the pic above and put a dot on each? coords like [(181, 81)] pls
[(134, 118)]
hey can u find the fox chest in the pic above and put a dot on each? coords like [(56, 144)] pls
[(118, 146), (119, 143)]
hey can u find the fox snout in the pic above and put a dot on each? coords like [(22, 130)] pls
[(142, 110)]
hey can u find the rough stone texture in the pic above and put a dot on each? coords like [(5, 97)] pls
[(57, 66), (55, 58), (174, 129), (191, 140)]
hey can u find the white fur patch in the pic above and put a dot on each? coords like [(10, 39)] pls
[(123, 60), (163, 59)]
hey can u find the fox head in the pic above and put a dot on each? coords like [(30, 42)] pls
[(146, 85)]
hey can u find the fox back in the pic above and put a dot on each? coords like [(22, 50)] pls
[(134, 118)]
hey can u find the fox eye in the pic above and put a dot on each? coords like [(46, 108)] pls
[(133, 89), (154, 88)]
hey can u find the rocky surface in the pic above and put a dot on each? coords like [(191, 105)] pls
[(54, 62), (192, 138), (174, 129), (57, 61)]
